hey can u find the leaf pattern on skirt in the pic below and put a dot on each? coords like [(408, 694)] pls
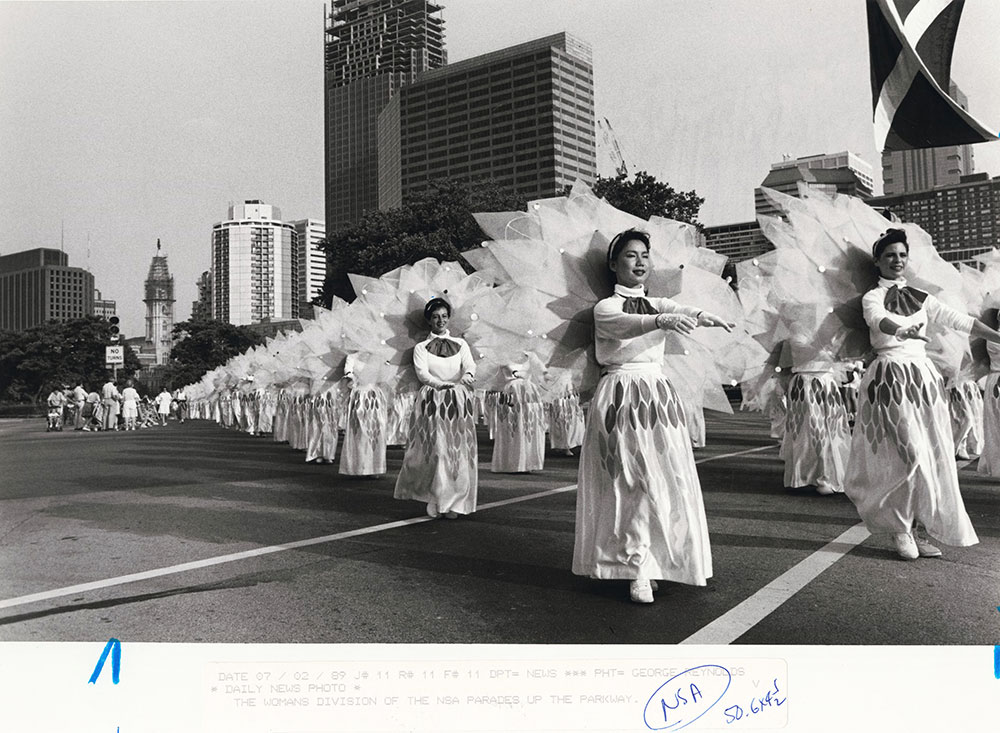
[(633, 409)]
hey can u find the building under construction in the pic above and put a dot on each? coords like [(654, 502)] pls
[(373, 48)]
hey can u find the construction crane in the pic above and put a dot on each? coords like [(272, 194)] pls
[(608, 144)]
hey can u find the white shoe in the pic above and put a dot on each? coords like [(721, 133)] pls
[(925, 548), (640, 591), (451, 515), (432, 510), (906, 548), (824, 489)]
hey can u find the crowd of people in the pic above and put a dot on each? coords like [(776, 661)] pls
[(115, 406)]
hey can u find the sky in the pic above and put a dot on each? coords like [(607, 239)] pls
[(126, 122)]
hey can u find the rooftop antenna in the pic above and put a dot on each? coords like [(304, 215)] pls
[(157, 246)]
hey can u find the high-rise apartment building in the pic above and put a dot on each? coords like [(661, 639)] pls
[(38, 285), (309, 234), (254, 266), (741, 241), (842, 172), (523, 116), (910, 171), (963, 219), (373, 48)]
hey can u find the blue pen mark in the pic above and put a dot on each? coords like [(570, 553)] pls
[(685, 697), (115, 648), (756, 705)]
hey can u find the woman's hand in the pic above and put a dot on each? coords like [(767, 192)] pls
[(707, 319), (676, 322), (468, 380), (911, 332)]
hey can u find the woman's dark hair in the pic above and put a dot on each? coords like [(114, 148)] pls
[(433, 304), (623, 238), (891, 236)]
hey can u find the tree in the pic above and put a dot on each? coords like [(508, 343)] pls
[(200, 346), (645, 196), (436, 223), (68, 352)]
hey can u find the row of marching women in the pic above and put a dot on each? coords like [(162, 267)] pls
[(574, 300), (517, 418)]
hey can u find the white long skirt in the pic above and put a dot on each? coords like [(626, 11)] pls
[(363, 450), (966, 407), (519, 432), (566, 422), (902, 468), (639, 509), (817, 442), (399, 416), (440, 463), (989, 458)]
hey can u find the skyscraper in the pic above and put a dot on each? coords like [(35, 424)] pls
[(523, 116), (373, 48), (201, 309), (254, 266), (909, 171), (38, 285), (312, 260)]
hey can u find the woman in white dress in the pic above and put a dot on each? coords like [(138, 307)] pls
[(439, 466), (566, 422), (366, 421), (519, 429), (639, 510), (989, 460), (817, 439), (966, 406), (902, 472), (163, 401)]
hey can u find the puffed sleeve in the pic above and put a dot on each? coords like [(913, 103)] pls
[(873, 308), (421, 368), (948, 316), (666, 305), (611, 322)]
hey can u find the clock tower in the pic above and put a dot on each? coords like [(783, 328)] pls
[(159, 302)]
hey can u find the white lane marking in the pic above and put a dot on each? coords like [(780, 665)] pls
[(257, 552), (731, 625)]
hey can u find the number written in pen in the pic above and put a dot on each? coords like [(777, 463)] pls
[(773, 697)]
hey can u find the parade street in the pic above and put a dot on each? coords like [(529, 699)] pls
[(174, 534)]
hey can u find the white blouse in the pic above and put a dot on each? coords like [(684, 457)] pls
[(629, 338), (442, 371), (873, 306)]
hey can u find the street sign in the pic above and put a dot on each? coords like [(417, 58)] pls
[(114, 355)]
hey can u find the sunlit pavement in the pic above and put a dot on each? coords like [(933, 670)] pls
[(93, 508)]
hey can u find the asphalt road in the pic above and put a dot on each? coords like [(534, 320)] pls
[(94, 508)]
